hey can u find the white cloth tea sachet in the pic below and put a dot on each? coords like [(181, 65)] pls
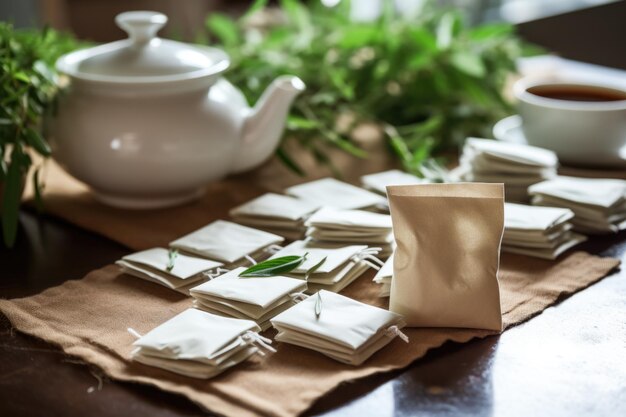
[(199, 344), (340, 267), (279, 214), (384, 277), (599, 205), (173, 270), (334, 193), (331, 225), (339, 327), (379, 181), (256, 299), (445, 267), (226, 242), (515, 165), (542, 232)]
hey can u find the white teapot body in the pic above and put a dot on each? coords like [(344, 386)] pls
[(157, 140)]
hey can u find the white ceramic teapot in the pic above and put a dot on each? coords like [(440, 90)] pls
[(148, 122)]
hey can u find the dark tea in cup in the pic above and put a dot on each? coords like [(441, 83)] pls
[(577, 92)]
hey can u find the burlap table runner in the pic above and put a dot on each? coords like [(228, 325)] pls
[(71, 200), (88, 319)]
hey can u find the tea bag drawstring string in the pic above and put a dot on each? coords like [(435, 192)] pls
[(367, 255), (134, 332), (250, 259), (254, 339), (298, 296), (214, 273), (272, 249), (393, 331)]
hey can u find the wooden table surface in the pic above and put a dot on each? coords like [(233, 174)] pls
[(568, 361)]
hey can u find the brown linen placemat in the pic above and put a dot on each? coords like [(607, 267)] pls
[(88, 319), (71, 200)]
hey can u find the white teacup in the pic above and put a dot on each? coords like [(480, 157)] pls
[(585, 124)]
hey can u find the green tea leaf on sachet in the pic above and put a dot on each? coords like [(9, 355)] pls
[(318, 305), (172, 254), (273, 267), (315, 267)]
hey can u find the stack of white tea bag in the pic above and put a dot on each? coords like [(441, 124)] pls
[(542, 232), (256, 299), (169, 268), (333, 193), (384, 276), (330, 267), (599, 205), (339, 327), (199, 344), (275, 213), (228, 242), (518, 166), (379, 181), (331, 225)]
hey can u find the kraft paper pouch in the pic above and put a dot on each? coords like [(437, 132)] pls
[(447, 256)]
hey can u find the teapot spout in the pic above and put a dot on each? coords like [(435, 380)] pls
[(264, 125)]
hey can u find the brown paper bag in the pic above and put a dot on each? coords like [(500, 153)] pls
[(448, 250)]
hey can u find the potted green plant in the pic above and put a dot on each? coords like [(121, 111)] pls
[(423, 80), (28, 86)]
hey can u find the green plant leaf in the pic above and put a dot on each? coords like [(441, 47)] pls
[(445, 30), (224, 28), (254, 8), (11, 197), (315, 267), (34, 139), (38, 188), (468, 63), (289, 162), (273, 267)]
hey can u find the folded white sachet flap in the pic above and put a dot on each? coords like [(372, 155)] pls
[(334, 193), (386, 272), (379, 181), (342, 320), (531, 218), (336, 255), (195, 369), (276, 206), (195, 335), (483, 164), (601, 193), (184, 266), (514, 152), (225, 241), (329, 217), (261, 292)]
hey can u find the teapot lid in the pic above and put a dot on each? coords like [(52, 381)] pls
[(143, 57)]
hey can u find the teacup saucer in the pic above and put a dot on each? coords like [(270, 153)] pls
[(509, 129)]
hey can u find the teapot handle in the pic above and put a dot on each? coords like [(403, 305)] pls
[(141, 26)]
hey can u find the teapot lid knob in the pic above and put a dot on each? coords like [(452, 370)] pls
[(141, 26)]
